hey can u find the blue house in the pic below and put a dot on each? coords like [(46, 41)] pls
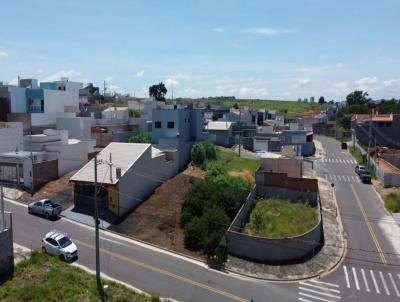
[(177, 129)]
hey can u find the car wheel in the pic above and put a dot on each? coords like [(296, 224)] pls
[(44, 250), (62, 257), (47, 215)]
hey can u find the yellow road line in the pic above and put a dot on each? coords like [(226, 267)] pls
[(371, 231), (164, 272)]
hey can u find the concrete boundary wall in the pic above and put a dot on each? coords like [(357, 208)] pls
[(273, 250), (6, 247), (387, 179)]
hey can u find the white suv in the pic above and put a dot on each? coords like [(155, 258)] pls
[(57, 243)]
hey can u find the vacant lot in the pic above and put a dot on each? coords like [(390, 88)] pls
[(45, 278), (157, 220), (238, 166), (275, 218)]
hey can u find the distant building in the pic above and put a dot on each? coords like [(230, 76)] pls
[(220, 132), (312, 99)]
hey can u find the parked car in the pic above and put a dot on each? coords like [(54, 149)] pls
[(344, 146), (59, 244), (365, 177), (44, 207), (359, 169)]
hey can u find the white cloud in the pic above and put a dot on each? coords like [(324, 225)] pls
[(246, 91), (391, 83), (339, 65), (140, 74), (4, 54), (218, 29), (264, 31), (300, 83), (109, 78), (171, 82), (72, 73), (368, 83), (39, 71)]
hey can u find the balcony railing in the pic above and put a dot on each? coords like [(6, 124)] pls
[(34, 109)]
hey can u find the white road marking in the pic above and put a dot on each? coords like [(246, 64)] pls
[(320, 287), (304, 300), (346, 275), (339, 179), (355, 278), (384, 284), (325, 283), (315, 297), (348, 177), (352, 177), (375, 283), (394, 285), (113, 241), (365, 280), (334, 177), (319, 293)]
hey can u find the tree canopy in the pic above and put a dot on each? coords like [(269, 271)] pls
[(357, 97), (158, 91), (321, 100)]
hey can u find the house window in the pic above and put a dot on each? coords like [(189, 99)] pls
[(42, 105), (171, 125), (157, 124)]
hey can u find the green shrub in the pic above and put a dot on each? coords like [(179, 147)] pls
[(209, 147), (193, 233), (134, 113), (141, 138), (198, 153), (392, 202), (213, 169)]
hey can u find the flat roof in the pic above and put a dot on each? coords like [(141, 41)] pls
[(218, 125)]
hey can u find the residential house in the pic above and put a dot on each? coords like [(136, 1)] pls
[(377, 129), (37, 106), (28, 169), (127, 174), (301, 140), (220, 132), (308, 120), (177, 129), (72, 154)]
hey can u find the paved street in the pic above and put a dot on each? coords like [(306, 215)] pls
[(370, 271)]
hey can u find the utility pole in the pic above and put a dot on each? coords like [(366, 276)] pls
[(96, 223), (240, 130), (369, 136), (3, 219)]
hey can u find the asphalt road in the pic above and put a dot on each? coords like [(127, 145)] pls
[(370, 271)]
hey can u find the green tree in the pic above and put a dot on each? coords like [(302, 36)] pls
[(321, 100), (214, 169), (357, 97), (236, 106), (141, 138), (158, 91), (193, 234), (198, 153)]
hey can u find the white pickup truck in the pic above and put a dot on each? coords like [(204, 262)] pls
[(44, 207)]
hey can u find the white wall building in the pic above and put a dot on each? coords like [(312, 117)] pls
[(11, 136)]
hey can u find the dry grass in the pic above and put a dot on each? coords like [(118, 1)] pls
[(157, 220)]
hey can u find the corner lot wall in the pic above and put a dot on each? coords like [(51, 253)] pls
[(272, 250), (6, 247)]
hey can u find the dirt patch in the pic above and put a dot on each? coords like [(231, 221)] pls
[(157, 220), (59, 191), (245, 174)]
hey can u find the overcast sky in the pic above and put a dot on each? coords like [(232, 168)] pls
[(251, 49)]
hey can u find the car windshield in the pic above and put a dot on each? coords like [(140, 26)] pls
[(64, 242)]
